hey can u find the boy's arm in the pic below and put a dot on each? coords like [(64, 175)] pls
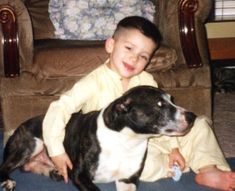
[(60, 111), (54, 129)]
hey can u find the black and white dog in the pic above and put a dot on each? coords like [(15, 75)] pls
[(104, 146)]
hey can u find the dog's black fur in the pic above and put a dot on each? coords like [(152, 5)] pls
[(139, 114)]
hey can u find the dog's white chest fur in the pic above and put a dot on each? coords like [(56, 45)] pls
[(121, 153)]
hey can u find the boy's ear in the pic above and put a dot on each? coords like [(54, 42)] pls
[(109, 44)]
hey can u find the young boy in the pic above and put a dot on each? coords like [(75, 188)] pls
[(130, 50)]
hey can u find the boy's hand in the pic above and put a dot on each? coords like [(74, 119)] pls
[(62, 162), (175, 157)]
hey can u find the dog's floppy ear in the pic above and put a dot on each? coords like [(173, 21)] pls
[(115, 110), (123, 106)]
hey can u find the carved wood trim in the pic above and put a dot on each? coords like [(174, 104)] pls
[(10, 41), (187, 32)]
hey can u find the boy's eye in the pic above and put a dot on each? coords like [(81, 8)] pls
[(128, 47), (145, 58)]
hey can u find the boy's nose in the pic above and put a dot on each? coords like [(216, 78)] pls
[(134, 58)]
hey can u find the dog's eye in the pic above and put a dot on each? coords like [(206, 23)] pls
[(159, 103)]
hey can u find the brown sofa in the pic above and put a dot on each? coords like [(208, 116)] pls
[(36, 67)]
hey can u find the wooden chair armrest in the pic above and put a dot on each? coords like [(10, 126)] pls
[(187, 9), (10, 41)]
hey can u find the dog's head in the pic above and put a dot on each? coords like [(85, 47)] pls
[(148, 110)]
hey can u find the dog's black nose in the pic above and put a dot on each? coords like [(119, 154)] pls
[(190, 117)]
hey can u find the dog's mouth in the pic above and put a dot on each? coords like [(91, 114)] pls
[(182, 133), (173, 132), (190, 118), (177, 129), (183, 126)]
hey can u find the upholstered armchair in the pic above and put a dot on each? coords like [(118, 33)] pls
[(36, 67)]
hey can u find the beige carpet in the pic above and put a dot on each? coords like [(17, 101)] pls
[(224, 121)]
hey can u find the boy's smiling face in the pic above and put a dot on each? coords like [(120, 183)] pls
[(130, 51)]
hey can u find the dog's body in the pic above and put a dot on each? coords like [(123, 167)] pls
[(104, 146)]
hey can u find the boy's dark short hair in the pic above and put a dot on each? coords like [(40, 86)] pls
[(143, 25)]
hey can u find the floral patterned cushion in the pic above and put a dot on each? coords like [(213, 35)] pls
[(94, 19)]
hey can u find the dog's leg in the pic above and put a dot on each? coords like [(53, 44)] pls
[(39, 164), (83, 182), (12, 162), (19, 149), (122, 186), (6, 183)]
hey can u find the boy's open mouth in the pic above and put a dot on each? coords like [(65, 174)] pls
[(128, 67)]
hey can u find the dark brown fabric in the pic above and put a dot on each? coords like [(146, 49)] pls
[(20, 108), (181, 76), (193, 98), (169, 26), (200, 19), (29, 85), (70, 61), (42, 25)]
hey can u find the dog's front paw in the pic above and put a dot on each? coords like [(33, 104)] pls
[(8, 185), (55, 175)]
